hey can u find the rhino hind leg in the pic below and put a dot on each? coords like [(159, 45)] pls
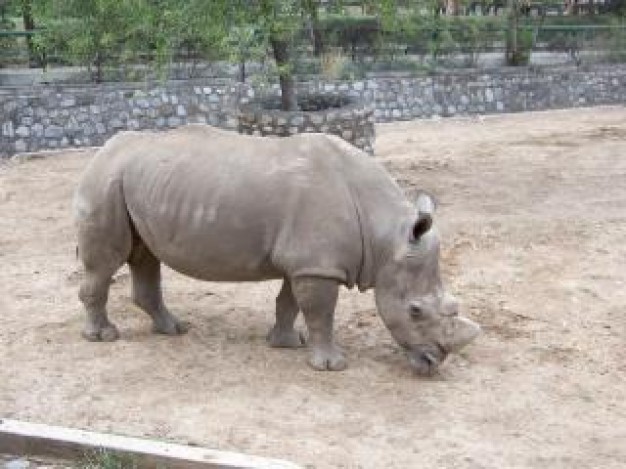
[(317, 298), (101, 261), (145, 270), (283, 333), (94, 292)]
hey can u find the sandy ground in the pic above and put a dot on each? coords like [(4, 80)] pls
[(533, 216)]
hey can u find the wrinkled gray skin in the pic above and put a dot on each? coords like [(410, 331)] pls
[(309, 209)]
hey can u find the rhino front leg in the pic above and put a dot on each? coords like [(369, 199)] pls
[(146, 291), (283, 333), (317, 298)]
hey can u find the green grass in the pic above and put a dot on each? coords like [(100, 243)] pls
[(105, 459)]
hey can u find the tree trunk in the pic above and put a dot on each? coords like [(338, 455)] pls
[(452, 8), (98, 64), (242, 71), (312, 8), (318, 43), (29, 26), (280, 48), (512, 43)]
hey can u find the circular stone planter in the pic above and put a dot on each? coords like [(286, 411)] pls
[(343, 116)]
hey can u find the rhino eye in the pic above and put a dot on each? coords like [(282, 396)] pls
[(417, 312)]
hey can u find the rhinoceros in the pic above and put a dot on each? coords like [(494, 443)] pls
[(309, 209)]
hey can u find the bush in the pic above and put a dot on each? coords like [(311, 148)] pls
[(354, 35), (519, 53), (9, 44)]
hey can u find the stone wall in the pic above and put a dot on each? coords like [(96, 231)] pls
[(47, 117), (344, 116)]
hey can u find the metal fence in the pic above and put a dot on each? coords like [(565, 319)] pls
[(436, 46)]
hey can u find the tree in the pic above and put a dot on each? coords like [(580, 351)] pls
[(277, 23), (29, 26), (93, 33), (101, 33)]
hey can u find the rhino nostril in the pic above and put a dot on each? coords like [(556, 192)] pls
[(442, 350), (430, 358)]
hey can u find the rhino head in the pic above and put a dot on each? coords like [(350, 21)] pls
[(411, 300)]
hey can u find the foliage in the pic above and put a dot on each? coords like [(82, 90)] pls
[(8, 43), (104, 459), (102, 33), (94, 33), (615, 44), (345, 38), (355, 35), (475, 36), (616, 7), (519, 45)]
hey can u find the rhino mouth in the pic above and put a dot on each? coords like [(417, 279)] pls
[(425, 359)]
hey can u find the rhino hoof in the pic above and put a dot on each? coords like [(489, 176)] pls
[(289, 339), (332, 360), (108, 333), (171, 328)]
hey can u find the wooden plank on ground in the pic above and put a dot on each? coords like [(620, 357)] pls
[(24, 439)]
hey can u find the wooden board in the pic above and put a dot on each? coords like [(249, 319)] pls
[(33, 439)]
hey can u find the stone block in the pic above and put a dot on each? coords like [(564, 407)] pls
[(21, 146), (297, 120), (7, 129), (37, 130), (116, 124), (317, 119), (69, 101), (231, 122), (53, 131), (174, 121), (22, 131)]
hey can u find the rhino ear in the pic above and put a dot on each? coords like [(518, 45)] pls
[(425, 203), (421, 226), (425, 209)]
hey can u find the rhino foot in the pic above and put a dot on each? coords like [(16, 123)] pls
[(285, 339), (106, 333), (330, 358), (172, 326)]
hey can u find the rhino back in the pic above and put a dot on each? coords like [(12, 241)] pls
[(219, 206)]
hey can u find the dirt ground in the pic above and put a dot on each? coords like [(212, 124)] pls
[(533, 218)]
